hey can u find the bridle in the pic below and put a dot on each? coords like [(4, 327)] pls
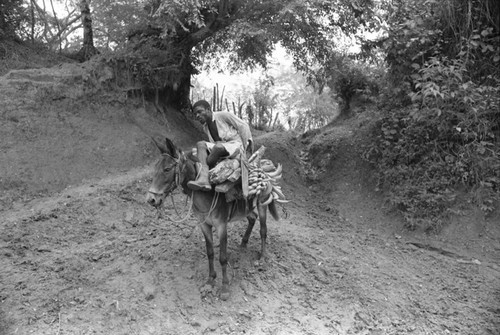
[(179, 166), (177, 175)]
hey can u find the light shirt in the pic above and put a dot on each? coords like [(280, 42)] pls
[(234, 132)]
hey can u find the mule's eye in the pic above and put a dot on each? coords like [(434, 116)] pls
[(168, 168)]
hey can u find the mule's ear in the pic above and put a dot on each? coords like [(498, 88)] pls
[(171, 148), (159, 146)]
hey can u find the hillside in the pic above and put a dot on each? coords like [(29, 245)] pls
[(82, 253), (56, 133)]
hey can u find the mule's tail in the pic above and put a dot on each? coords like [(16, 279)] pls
[(273, 210)]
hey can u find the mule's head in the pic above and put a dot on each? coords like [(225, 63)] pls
[(166, 173)]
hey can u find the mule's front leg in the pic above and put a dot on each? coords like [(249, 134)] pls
[(209, 241), (222, 232)]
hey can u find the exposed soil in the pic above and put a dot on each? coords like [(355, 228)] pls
[(82, 253)]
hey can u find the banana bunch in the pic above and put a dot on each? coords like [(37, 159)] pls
[(263, 184)]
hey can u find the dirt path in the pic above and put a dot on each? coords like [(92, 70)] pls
[(96, 260)]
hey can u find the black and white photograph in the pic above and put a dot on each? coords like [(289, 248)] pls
[(249, 167)]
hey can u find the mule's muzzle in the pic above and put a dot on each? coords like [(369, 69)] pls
[(154, 199), (155, 202)]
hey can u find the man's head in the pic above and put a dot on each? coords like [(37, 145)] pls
[(202, 111)]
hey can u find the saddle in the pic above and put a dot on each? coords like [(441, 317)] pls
[(228, 178), (239, 177)]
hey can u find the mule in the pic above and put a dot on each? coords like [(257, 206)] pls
[(176, 169)]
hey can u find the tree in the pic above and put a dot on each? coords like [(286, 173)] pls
[(48, 27), (88, 49), (180, 34), (12, 15), (314, 110), (112, 19), (346, 78), (418, 30), (264, 102), (444, 55)]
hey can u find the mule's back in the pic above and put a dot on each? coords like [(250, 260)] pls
[(218, 207)]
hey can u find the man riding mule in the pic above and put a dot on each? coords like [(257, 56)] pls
[(177, 169), (228, 136)]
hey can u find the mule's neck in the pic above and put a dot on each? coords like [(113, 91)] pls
[(188, 173)]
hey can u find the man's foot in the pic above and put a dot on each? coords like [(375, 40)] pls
[(199, 186)]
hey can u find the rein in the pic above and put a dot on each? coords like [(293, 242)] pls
[(190, 208), (178, 171), (173, 186)]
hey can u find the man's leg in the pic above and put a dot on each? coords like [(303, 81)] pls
[(201, 183), (217, 152)]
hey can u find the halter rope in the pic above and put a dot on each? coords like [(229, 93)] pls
[(178, 172)]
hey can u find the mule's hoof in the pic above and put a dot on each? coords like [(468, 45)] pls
[(224, 294), (260, 265)]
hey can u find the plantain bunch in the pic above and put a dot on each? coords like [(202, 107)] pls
[(263, 183)]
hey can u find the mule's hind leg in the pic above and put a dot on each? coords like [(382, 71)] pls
[(209, 241), (252, 217), (222, 232), (263, 230)]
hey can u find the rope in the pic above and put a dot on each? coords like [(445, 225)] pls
[(188, 212), (190, 206), (178, 172), (212, 205), (173, 204)]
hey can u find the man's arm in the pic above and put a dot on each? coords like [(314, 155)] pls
[(241, 126)]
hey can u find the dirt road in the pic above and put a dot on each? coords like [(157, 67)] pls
[(95, 259)]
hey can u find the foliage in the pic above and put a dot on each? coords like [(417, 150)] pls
[(280, 92), (307, 29), (263, 102), (448, 140), (188, 33), (302, 106), (346, 78), (12, 16), (43, 25), (318, 109), (113, 19), (443, 60), (418, 30), (147, 66), (249, 30)]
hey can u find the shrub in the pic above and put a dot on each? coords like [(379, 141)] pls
[(446, 141), (12, 16), (348, 78), (419, 30)]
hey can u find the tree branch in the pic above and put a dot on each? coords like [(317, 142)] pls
[(215, 22)]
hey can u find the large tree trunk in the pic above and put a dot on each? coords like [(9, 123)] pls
[(88, 49), (177, 96), (174, 92)]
